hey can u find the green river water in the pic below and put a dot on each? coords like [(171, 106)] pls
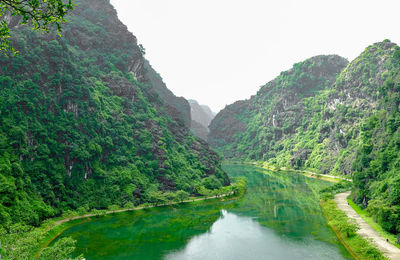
[(279, 217)]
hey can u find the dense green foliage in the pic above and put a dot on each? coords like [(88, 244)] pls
[(80, 127), (329, 192), (349, 126), (255, 128), (24, 242), (41, 15)]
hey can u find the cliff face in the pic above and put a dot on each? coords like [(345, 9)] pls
[(177, 108), (200, 113), (329, 139), (250, 128), (354, 97), (353, 129), (201, 118), (86, 122), (228, 122)]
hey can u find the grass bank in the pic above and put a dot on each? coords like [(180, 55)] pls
[(311, 173), (345, 230), (367, 218), (64, 224), (238, 190)]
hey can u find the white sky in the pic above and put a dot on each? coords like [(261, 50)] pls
[(221, 51)]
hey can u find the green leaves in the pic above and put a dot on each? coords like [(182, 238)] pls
[(41, 15), (62, 249), (182, 195)]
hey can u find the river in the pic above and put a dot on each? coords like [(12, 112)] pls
[(279, 217)]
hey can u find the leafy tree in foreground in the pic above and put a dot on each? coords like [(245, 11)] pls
[(40, 14)]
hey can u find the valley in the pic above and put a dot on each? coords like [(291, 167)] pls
[(101, 159)]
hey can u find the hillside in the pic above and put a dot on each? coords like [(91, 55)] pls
[(350, 126), (177, 108), (254, 128), (201, 118), (86, 122)]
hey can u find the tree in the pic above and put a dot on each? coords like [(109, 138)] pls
[(62, 249), (40, 14), (349, 227), (157, 198), (171, 197), (181, 196)]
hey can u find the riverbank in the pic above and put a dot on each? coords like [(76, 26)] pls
[(366, 231), (346, 231), (26, 242), (59, 222), (305, 172), (63, 224), (309, 174)]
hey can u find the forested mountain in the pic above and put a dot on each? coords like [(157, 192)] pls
[(86, 122), (201, 118), (177, 108), (350, 125), (254, 128)]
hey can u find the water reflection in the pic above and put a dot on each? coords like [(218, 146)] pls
[(234, 237)]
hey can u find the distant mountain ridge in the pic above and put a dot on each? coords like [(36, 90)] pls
[(202, 116)]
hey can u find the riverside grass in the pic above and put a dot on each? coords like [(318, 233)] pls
[(357, 246), (76, 220), (367, 218)]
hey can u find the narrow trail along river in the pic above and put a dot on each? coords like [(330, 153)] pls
[(279, 217), (366, 231)]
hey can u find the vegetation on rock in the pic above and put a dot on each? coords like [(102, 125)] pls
[(255, 128)]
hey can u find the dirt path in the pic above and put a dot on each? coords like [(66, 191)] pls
[(366, 231), (59, 222)]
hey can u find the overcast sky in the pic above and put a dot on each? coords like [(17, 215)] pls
[(221, 51)]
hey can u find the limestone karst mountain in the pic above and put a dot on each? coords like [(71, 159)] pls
[(201, 118)]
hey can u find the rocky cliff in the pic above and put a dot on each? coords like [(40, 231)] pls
[(177, 108), (201, 118), (86, 122), (353, 129), (253, 128)]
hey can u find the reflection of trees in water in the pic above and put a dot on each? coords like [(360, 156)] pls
[(288, 203), (133, 232)]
